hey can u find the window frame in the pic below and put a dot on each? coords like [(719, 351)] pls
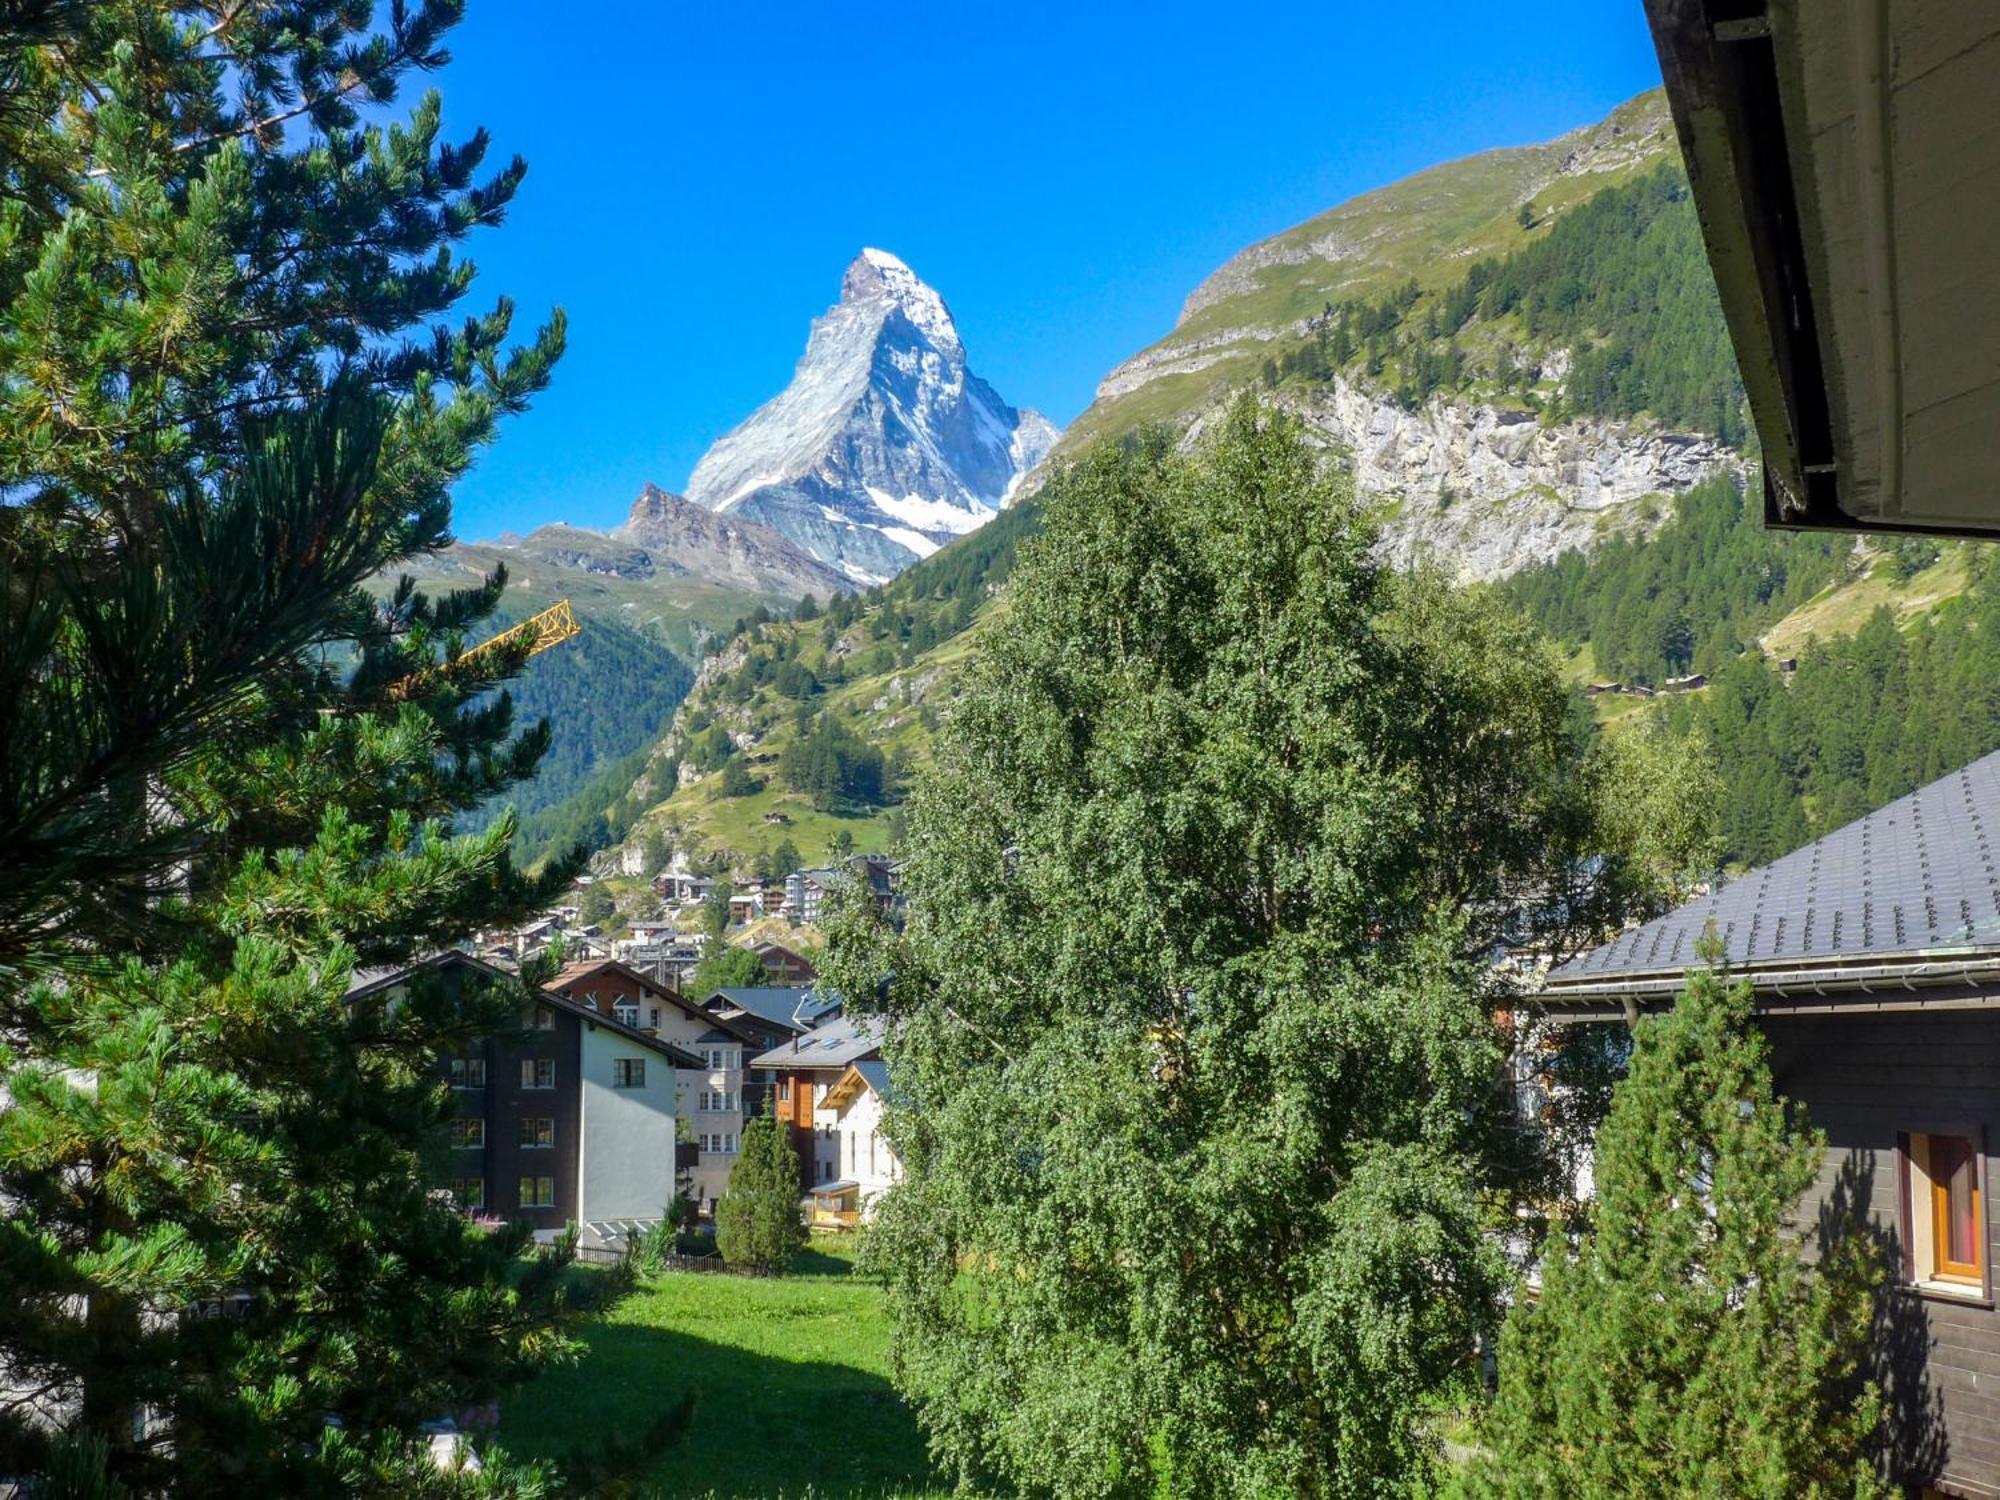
[(478, 1202), (468, 1133), (531, 1188), (628, 1072), (460, 1071), (529, 1136), (625, 1012), (531, 1073), (1918, 1193)]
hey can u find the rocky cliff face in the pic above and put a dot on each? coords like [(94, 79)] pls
[(1484, 490), (885, 445)]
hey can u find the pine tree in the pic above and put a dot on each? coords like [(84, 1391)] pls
[(227, 775), (1685, 1346), (757, 1220)]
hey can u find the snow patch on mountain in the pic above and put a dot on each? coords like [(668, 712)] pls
[(885, 445)]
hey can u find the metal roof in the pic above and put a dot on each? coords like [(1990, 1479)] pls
[(833, 1046), (1916, 877), (794, 1006)]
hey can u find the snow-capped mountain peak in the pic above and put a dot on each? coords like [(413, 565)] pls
[(876, 274), (885, 445)]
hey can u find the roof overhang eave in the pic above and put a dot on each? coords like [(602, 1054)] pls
[(1923, 980)]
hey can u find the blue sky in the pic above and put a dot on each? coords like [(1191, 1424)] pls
[(1064, 173)]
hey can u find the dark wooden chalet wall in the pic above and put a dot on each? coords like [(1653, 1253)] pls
[(503, 1102), (1864, 1079)]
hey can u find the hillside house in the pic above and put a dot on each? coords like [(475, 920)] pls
[(709, 1084), (573, 1123), (808, 892), (682, 885), (1874, 955), (867, 1166), (803, 1072), (785, 966)]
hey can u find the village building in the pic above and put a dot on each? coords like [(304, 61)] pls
[(1874, 955), (804, 1071), (866, 1166), (710, 1085), (572, 1122), (784, 965)]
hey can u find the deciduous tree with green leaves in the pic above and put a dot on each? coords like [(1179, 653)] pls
[(1684, 1345), (1191, 1019)]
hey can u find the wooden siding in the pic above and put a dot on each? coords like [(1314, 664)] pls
[(1865, 1080)]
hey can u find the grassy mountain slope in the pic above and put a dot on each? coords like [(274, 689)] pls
[(1425, 228), (605, 693), (882, 668)]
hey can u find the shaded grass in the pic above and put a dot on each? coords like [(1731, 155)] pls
[(791, 1381)]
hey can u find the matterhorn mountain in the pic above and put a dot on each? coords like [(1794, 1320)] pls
[(885, 445)]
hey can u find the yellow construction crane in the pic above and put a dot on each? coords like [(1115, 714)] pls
[(551, 627)]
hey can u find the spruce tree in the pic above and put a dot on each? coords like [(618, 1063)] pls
[(1685, 1346), (757, 1221), (227, 400)]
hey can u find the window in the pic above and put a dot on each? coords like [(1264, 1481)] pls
[(468, 1072), (655, 1021), (538, 1072), (628, 1072), (536, 1132), (1945, 1209), (538, 1192), (545, 1019), (784, 1091), (468, 1135), (626, 1012), (720, 1141), (469, 1192)]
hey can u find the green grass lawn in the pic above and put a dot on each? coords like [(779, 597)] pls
[(791, 1381)]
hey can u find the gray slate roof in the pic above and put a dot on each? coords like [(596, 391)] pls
[(1914, 877), (787, 1005), (833, 1046)]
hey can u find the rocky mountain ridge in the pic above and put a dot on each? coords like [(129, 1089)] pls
[(666, 535), (885, 445)]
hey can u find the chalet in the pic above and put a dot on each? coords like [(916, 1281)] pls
[(573, 1121), (682, 885), (867, 1166), (803, 1072), (709, 1084), (785, 965), (746, 906), (1874, 955), (778, 1012)]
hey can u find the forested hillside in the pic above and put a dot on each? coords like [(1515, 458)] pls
[(1619, 287), (605, 694), (1894, 692), (1690, 597), (805, 729)]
